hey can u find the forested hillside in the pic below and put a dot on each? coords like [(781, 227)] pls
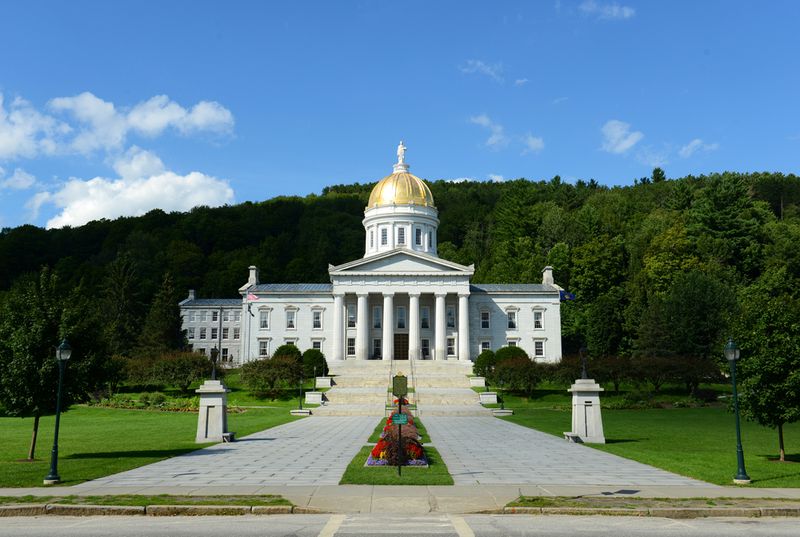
[(619, 250)]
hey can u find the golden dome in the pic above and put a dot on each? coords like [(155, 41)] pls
[(400, 188)]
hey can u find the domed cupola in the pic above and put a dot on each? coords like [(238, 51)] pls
[(400, 213)]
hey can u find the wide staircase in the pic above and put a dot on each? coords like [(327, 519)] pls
[(436, 388)]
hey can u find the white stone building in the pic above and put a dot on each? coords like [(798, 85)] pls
[(399, 301)]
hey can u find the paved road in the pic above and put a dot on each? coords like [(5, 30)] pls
[(488, 450), (311, 451), (386, 526)]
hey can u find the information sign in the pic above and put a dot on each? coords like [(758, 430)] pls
[(400, 419), (400, 385)]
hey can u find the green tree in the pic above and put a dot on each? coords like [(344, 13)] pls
[(162, 331), (121, 305), (605, 335), (314, 362), (768, 333)]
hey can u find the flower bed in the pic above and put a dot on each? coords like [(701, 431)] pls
[(385, 452)]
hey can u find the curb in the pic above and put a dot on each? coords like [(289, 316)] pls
[(663, 512), (58, 509)]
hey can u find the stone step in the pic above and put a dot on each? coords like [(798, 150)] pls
[(349, 410), (452, 410)]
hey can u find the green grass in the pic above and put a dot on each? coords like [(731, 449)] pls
[(358, 474), (142, 500), (695, 442), (95, 442)]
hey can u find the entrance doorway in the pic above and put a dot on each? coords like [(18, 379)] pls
[(401, 346)]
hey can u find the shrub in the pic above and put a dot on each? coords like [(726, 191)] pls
[(288, 350), (484, 364), (157, 399), (504, 353), (517, 373), (265, 378), (314, 360), (180, 369)]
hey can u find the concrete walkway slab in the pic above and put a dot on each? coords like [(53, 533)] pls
[(311, 451), (486, 450)]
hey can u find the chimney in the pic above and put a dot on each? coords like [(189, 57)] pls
[(547, 276), (191, 294), (252, 279)]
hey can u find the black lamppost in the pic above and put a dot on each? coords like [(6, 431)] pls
[(300, 399), (214, 355), (582, 351), (63, 352), (502, 400), (732, 355)]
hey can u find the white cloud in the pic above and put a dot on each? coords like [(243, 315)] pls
[(494, 71), (618, 138), (461, 180), (143, 185), (153, 116), (653, 157), (24, 132), (607, 11), (19, 180), (696, 145), (103, 127), (533, 144), (495, 178), (497, 137), (520, 81)]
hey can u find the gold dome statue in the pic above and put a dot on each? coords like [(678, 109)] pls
[(401, 187)]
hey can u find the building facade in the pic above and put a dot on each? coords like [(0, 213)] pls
[(399, 301)]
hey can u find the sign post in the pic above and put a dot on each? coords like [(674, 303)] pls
[(400, 390)]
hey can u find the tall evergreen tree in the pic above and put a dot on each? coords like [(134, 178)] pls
[(121, 305), (162, 330)]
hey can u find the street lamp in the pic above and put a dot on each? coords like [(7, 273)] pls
[(732, 355), (214, 355), (582, 351), (300, 399), (502, 400), (63, 352)]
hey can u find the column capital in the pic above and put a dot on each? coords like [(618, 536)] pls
[(338, 295), (463, 294), (414, 294), (364, 294), (388, 293), (440, 294)]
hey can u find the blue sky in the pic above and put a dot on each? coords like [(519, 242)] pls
[(114, 108)]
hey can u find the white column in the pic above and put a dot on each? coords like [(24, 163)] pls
[(388, 326), (463, 326), (413, 326), (440, 336), (338, 327), (362, 328)]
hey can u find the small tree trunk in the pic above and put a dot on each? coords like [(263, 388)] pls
[(780, 443), (36, 433)]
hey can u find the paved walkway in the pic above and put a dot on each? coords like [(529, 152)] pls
[(491, 451), (311, 451)]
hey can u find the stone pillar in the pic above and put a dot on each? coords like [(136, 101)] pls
[(387, 348), (463, 326), (212, 419), (413, 327), (362, 327), (338, 327), (587, 421), (440, 338)]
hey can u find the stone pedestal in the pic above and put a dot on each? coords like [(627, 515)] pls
[(488, 398), (314, 398), (587, 422), (477, 382), (323, 382), (212, 420)]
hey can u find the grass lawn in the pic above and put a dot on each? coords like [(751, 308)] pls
[(695, 442), (95, 442)]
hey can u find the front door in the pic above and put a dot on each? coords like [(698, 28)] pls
[(401, 346)]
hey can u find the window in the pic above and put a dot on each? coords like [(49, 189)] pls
[(401, 235), (190, 317), (263, 319), (237, 316), (316, 319), (290, 341), (235, 332), (511, 343), (226, 315), (384, 237), (430, 241), (263, 348), (425, 317), (401, 317), (351, 346), (316, 344), (451, 346), (224, 354), (190, 333), (214, 333), (418, 237), (512, 320), (202, 333), (538, 348), (351, 316), (376, 348), (290, 318), (371, 239), (225, 333), (538, 319), (486, 345), (485, 317), (377, 313), (451, 317), (201, 350), (201, 316), (214, 316), (426, 348)]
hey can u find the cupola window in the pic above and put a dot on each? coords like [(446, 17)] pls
[(384, 237), (401, 235)]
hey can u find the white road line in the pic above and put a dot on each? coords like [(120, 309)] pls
[(461, 526), (332, 526)]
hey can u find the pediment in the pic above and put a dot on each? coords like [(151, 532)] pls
[(400, 262)]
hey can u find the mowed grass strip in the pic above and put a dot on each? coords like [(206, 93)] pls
[(144, 500), (95, 442), (694, 442)]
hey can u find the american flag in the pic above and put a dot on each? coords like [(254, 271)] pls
[(251, 297)]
